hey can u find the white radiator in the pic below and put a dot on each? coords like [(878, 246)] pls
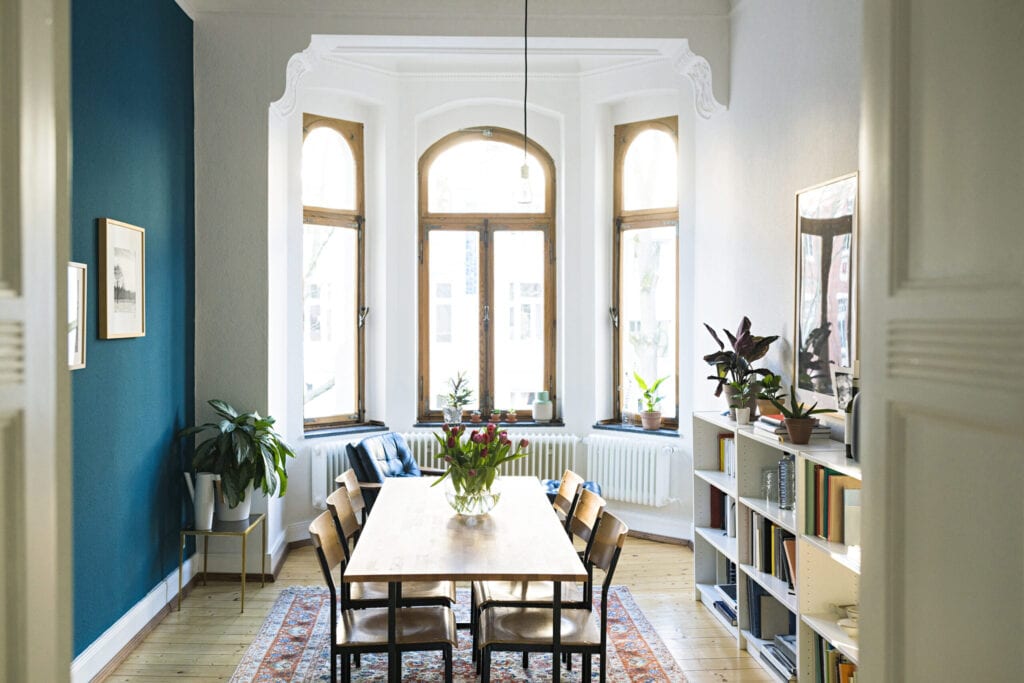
[(549, 454), (628, 469), (326, 461)]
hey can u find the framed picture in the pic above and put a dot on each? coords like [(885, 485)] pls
[(77, 303), (122, 280), (826, 287), (844, 382)]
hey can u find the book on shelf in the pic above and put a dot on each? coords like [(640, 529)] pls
[(767, 547), (830, 665), (851, 516), (829, 504), (762, 425), (785, 644), (727, 454), (767, 616), (789, 548), (730, 518), (726, 611), (719, 506), (779, 664), (728, 591)]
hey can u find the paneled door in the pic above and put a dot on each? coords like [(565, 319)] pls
[(942, 278), (35, 461)]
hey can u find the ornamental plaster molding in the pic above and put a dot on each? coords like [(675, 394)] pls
[(298, 66), (698, 70)]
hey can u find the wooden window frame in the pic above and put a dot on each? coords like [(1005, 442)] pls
[(623, 221), (352, 133), (486, 224)]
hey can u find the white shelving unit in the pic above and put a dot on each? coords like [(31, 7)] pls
[(826, 574)]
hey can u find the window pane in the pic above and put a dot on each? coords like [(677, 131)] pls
[(328, 171), (330, 267), (649, 172), (647, 319), (454, 272), (519, 317), (482, 176)]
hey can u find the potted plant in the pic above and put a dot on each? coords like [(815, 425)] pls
[(799, 422), (735, 364), (651, 417), (771, 389), (458, 396), (738, 400), (245, 451)]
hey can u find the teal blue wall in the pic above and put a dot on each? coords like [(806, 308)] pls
[(132, 137)]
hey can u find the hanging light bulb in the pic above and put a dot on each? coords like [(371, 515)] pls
[(524, 191)]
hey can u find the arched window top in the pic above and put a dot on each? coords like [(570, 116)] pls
[(649, 172), (480, 174), (328, 170)]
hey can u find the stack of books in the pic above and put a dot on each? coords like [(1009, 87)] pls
[(774, 426), (830, 665), (780, 655), (772, 548)]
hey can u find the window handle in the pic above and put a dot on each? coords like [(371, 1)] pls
[(364, 313), (613, 313), (487, 314)]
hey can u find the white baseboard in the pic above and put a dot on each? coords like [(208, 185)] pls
[(297, 532), (102, 650)]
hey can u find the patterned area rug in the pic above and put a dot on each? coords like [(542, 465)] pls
[(292, 646)]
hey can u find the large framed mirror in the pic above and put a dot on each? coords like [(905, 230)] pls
[(826, 286)]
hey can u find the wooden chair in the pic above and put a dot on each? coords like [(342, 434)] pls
[(486, 594), (354, 632), (363, 594), (529, 629), (568, 494), (348, 480)]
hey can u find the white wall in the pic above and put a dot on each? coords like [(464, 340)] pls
[(792, 122)]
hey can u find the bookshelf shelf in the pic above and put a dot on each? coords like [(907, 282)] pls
[(778, 588), (845, 555), (826, 627), (720, 480), (718, 539), (826, 573), (784, 518)]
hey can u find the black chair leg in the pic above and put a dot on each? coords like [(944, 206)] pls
[(448, 665), (357, 659), (601, 663), (586, 666), (334, 666), (568, 661), (526, 660), (346, 669), (485, 665)]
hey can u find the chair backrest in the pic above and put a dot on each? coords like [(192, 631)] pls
[(568, 491), (340, 508), (328, 546), (380, 456), (608, 542), (351, 485), (584, 517)]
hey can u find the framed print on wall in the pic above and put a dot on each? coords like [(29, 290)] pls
[(122, 280), (77, 305), (826, 286)]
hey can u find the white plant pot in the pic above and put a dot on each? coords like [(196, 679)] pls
[(204, 499), (742, 416), (238, 513)]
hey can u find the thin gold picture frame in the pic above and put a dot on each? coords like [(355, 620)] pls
[(78, 298), (122, 280)]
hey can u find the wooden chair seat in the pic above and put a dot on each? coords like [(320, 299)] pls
[(526, 593), (533, 626), (420, 592), (415, 626)]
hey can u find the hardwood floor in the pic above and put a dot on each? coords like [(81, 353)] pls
[(205, 641)]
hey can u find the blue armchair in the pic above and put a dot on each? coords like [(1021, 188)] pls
[(380, 456)]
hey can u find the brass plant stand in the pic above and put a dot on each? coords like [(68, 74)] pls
[(241, 528)]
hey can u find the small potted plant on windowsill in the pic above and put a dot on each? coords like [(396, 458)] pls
[(650, 418), (797, 418), (458, 396)]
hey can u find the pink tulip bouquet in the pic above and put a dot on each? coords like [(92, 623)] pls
[(473, 462)]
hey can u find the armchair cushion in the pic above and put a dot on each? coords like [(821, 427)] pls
[(380, 456)]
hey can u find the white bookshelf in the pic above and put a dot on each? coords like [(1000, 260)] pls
[(827, 573)]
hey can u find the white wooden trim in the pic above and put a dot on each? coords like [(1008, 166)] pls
[(114, 639)]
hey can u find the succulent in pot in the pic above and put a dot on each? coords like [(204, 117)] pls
[(770, 389), (739, 400), (650, 418), (246, 452), (798, 417), (459, 395)]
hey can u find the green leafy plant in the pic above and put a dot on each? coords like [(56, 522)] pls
[(651, 397), (742, 393), (797, 410), (734, 365), (771, 387), (473, 462), (244, 449), (460, 393)]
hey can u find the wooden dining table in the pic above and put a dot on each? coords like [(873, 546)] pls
[(414, 535)]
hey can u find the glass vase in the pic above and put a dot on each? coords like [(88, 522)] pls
[(452, 414), (472, 499)]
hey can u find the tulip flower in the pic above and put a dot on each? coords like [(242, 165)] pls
[(523, 443)]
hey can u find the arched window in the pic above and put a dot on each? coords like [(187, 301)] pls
[(645, 288), (332, 272), (486, 273)]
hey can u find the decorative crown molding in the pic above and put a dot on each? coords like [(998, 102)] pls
[(698, 70), (298, 66)]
